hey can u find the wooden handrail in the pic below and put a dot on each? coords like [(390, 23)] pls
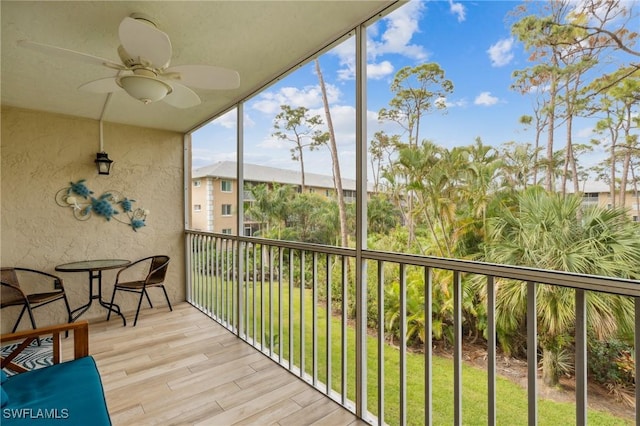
[(80, 341)]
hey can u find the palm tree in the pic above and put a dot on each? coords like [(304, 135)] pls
[(550, 231), (270, 206)]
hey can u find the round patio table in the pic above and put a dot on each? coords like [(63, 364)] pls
[(94, 268)]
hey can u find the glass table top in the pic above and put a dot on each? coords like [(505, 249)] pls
[(93, 265)]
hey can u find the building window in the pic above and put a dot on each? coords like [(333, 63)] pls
[(226, 210), (197, 207), (226, 231), (196, 183), (225, 185)]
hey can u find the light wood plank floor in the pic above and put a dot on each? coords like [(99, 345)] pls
[(182, 368)]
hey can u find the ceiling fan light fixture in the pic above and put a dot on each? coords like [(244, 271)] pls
[(145, 89)]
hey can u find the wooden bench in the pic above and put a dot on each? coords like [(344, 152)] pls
[(68, 392)]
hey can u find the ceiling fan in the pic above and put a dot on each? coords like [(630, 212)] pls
[(145, 52)]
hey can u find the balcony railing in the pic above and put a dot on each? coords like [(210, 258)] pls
[(291, 301)]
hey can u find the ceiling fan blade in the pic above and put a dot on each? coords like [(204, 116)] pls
[(182, 97), (143, 40), (103, 85), (69, 54), (204, 76)]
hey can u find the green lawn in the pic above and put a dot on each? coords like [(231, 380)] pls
[(511, 398)]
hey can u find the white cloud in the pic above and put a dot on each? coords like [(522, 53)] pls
[(485, 99), (401, 25), (227, 120), (272, 143), (458, 9), (380, 70), (460, 103), (501, 53), (399, 28), (308, 96)]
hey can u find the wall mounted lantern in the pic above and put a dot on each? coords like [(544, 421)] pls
[(103, 162)]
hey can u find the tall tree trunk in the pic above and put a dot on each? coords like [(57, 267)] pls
[(337, 177), (536, 160), (549, 177), (550, 375), (302, 182), (571, 156), (627, 157), (612, 182)]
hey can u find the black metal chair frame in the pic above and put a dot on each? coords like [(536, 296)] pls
[(140, 286), (27, 305)]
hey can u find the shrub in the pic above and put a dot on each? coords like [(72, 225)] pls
[(611, 363)]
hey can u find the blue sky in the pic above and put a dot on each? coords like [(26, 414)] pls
[(470, 40)]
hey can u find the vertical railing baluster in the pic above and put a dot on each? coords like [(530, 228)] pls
[(262, 297), (491, 351), (314, 318), (428, 347), (209, 260), (254, 309), (328, 330), (234, 284), (403, 344), (581, 357), (202, 275), (223, 278), (302, 322), (188, 274), (196, 284), (381, 322), (240, 286), (291, 331), (270, 300), (208, 277), (637, 353), (223, 271), (532, 355), (457, 348), (247, 274), (280, 305), (216, 294), (229, 275), (343, 334), (191, 276)]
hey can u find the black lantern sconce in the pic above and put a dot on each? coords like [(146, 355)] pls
[(103, 162)]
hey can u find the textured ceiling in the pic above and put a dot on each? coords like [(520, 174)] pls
[(259, 39)]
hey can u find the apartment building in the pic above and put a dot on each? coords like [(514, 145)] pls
[(215, 188), (596, 193)]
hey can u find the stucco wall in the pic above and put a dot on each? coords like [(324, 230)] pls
[(42, 153)]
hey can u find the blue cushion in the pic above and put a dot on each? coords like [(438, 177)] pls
[(4, 398), (64, 394)]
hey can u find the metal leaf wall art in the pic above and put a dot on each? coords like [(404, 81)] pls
[(109, 205)]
